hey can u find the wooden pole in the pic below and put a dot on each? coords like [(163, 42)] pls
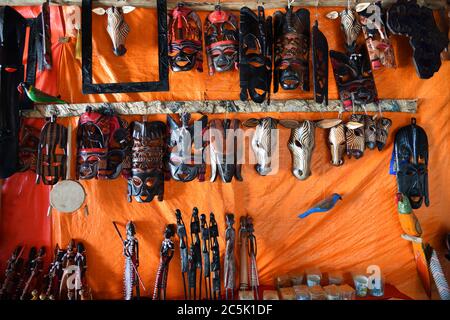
[(209, 5)]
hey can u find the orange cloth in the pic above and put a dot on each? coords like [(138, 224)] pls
[(363, 229), (24, 204)]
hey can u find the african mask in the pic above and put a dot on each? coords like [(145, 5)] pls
[(264, 142), (370, 131), (383, 126), (336, 142), (148, 156), (185, 39), (302, 141), (381, 52), (417, 22), (255, 55), (411, 163), (116, 26), (291, 49), (350, 27), (28, 148), (222, 40), (355, 136), (103, 142), (354, 78), (187, 148), (225, 149), (301, 145), (52, 153), (320, 65)]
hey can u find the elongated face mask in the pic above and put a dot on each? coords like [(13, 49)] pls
[(117, 27), (148, 155), (411, 161), (187, 148), (291, 49), (185, 40), (263, 142), (255, 55), (355, 136), (336, 138), (383, 126), (301, 144), (225, 149), (52, 153), (222, 41)]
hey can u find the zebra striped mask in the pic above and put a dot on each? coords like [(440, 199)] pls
[(264, 141), (350, 26), (301, 145), (117, 28)]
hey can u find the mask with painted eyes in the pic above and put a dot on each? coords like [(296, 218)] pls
[(292, 38), (148, 156), (187, 148), (255, 55), (103, 141), (185, 39), (411, 163), (52, 153), (222, 41), (354, 78)]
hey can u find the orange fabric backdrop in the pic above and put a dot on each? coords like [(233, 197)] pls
[(362, 230), (23, 203)]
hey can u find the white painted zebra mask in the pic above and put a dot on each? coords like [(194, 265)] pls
[(117, 27), (185, 39), (292, 38), (264, 141), (222, 40), (302, 141)]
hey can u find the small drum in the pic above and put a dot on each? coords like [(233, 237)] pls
[(67, 196)]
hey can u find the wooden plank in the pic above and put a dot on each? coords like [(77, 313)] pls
[(211, 107), (209, 5)]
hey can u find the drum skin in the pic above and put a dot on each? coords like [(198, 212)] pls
[(67, 196)]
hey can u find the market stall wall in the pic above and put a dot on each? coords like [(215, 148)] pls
[(362, 230)]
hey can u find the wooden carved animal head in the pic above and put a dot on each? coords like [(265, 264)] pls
[(355, 136), (263, 142), (302, 141), (117, 27)]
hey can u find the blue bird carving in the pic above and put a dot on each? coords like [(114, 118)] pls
[(322, 206)]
